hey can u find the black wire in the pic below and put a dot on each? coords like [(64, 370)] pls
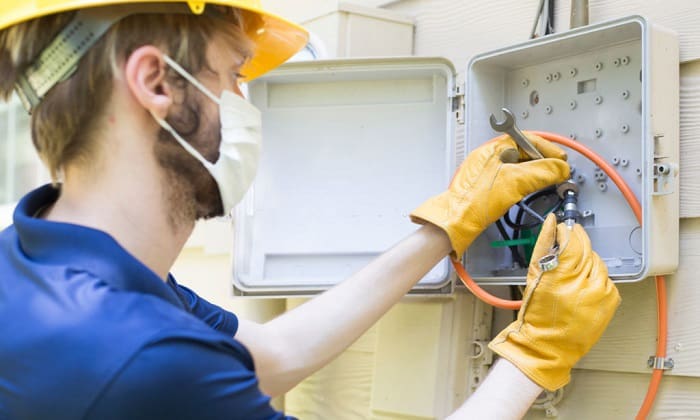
[(549, 28), (513, 249), (528, 200), (539, 194), (515, 295), (517, 225)]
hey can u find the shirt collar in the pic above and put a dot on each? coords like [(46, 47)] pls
[(83, 248)]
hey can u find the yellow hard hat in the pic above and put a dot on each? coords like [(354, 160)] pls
[(275, 39)]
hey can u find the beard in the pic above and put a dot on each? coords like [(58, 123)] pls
[(190, 191)]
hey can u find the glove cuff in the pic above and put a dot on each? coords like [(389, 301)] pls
[(438, 211), (546, 369)]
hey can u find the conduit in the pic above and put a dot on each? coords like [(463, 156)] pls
[(662, 326)]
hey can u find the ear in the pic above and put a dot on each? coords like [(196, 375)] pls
[(145, 76)]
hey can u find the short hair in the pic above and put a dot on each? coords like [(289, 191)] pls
[(64, 123)]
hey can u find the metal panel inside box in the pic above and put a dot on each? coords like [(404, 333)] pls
[(594, 86)]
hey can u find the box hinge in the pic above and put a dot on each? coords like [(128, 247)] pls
[(458, 103), (480, 353)]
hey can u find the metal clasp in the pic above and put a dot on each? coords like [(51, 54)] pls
[(661, 363)]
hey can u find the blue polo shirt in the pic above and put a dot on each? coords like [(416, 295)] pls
[(89, 332)]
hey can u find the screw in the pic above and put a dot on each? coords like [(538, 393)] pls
[(625, 60), (624, 162), (598, 100), (580, 178), (572, 104), (616, 161), (602, 186), (625, 94), (624, 128), (598, 132), (638, 171), (525, 83), (556, 76), (548, 77), (599, 66), (573, 71), (616, 62), (572, 136), (524, 114), (548, 109)]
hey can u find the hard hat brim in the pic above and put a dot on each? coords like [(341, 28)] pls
[(275, 38)]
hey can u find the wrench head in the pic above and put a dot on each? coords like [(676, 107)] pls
[(504, 126)]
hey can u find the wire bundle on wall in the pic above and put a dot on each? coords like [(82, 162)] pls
[(544, 18)]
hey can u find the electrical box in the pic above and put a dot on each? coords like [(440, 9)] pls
[(614, 88), (351, 146)]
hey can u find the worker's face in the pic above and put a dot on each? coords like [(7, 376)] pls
[(191, 190)]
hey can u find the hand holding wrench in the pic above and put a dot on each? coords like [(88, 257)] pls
[(508, 126)]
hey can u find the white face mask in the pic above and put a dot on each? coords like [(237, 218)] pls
[(239, 151)]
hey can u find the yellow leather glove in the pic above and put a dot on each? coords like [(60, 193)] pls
[(491, 179), (565, 310)]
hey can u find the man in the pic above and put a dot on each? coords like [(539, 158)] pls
[(137, 113)]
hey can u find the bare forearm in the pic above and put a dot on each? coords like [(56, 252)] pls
[(505, 394), (319, 330)]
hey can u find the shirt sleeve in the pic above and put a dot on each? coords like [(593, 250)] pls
[(180, 378), (215, 316)]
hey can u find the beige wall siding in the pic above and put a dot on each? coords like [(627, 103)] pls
[(690, 139)]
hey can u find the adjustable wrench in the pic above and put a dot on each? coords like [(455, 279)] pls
[(508, 126)]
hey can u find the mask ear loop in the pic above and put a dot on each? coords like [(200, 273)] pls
[(169, 128), (196, 83)]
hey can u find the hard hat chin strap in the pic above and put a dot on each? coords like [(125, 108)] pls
[(59, 60)]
